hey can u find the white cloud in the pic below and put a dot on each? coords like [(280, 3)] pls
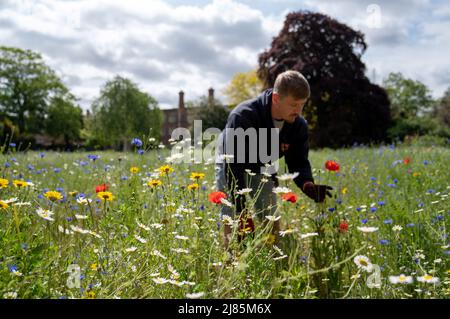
[(166, 48)]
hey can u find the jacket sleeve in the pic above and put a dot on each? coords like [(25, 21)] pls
[(297, 157)]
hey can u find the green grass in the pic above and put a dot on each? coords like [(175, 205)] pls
[(35, 255)]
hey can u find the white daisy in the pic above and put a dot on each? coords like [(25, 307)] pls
[(158, 254), (281, 190), (142, 226), (84, 201), (140, 239), (273, 218), (244, 191), (303, 236), (64, 230), (22, 204), (45, 214), (397, 228), (77, 229), (288, 177), (181, 237), (428, 279), (225, 202), (131, 249), (157, 226), (175, 274), (180, 250), (195, 295), (280, 257), (287, 231), (160, 281), (402, 279), (365, 229), (364, 263), (11, 200), (81, 216)]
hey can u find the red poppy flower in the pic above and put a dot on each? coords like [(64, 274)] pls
[(406, 161), (216, 197), (101, 188), (332, 166), (290, 197), (343, 226)]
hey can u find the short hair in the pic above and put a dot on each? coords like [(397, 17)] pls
[(292, 83)]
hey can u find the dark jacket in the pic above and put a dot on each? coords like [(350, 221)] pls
[(293, 141)]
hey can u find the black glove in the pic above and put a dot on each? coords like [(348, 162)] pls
[(316, 192)]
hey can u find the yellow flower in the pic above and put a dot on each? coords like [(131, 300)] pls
[(193, 187), (415, 174), (154, 183), (344, 190), (90, 295), (105, 196), (197, 176), (20, 184), (3, 205), (94, 267), (166, 169), (53, 196), (73, 194), (3, 183), (134, 169)]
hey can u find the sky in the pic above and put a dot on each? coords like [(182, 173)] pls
[(168, 46)]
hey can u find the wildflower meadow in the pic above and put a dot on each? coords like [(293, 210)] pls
[(142, 225)]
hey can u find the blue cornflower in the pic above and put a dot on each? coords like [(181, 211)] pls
[(358, 209), (140, 152), (12, 268), (7, 165), (42, 155), (57, 170), (391, 185), (145, 206), (124, 178), (24, 246), (364, 221), (83, 163), (384, 241), (430, 191), (440, 217), (373, 179), (30, 167), (425, 162), (339, 201), (137, 142), (331, 209), (93, 157), (410, 225), (381, 203), (387, 221), (373, 209), (395, 180), (12, 144)]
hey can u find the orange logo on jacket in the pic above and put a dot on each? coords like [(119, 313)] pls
[(284, 147)]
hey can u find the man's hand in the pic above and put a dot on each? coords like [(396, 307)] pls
[(316, 192)]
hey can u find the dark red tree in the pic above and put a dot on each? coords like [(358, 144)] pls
[(344, 107)]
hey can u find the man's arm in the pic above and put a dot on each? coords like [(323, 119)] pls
[(297, 158)]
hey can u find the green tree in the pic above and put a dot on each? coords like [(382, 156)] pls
[(65, 119), (344, 106), (27, 86), (409, 98), (411, 106), (122, 112), (243, 86), (213, 114)]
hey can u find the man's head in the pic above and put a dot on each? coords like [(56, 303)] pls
[(290, 93)]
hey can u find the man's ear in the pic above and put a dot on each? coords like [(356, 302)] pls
[(275, 98)]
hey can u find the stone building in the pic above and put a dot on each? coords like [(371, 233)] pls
[(180, 116)]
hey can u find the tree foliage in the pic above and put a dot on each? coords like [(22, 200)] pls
[(27, 86), (344, 106), (243, 86), (123, 111)]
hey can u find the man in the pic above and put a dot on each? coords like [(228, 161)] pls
[(278, 108)]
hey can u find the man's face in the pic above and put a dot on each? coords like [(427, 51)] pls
[(288, 108)]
